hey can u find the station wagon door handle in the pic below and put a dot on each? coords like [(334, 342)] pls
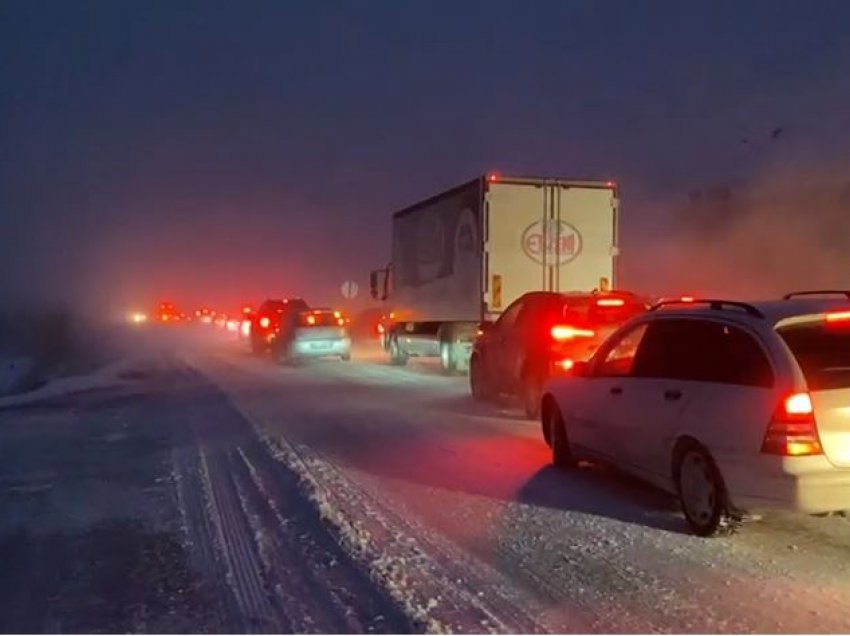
[(616, 390), (672, 395)]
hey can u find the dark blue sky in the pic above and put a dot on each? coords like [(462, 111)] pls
[(220, 149)]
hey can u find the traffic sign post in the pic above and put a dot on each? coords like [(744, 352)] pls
[(349, 290)]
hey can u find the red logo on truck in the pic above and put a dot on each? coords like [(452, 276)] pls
[(551, 242)]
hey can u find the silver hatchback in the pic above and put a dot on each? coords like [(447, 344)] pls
[(317, 333)]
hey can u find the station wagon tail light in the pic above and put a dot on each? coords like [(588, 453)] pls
[(792, 430), (838, 316), (565, 332), (265, 322)]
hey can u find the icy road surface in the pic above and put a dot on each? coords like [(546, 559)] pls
[(210, 490)]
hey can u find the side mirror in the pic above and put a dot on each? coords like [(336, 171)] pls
[(581, 369)]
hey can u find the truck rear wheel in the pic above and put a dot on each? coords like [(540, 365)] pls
[(448, 357), (397, 356)]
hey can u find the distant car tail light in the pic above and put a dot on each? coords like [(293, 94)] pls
[(380, 328), (565, 332), (311, 320), (792, 430), (265, 322), (340, 322), (566, 365), (610, 302), (246, 327), (686, 299)]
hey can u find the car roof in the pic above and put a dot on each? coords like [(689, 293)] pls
[(773, 312), (581, 295)]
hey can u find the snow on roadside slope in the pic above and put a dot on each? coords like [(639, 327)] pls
[(392, 562), (437, 591)]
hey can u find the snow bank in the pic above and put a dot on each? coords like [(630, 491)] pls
[(17, 373), (106, 376), (430, 596)]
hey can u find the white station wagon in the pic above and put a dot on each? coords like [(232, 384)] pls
[(734, 407)]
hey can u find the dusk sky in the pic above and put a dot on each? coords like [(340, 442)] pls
[(229, 150)]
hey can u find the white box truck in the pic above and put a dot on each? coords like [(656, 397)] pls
[(464, 255)]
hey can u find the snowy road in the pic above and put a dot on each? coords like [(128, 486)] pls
[(507, 539), (361, 497)]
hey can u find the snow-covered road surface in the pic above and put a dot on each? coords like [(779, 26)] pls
[(356, 496), (496, 529)]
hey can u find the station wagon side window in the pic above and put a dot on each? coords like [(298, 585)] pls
[(703, 351), (618, 359)]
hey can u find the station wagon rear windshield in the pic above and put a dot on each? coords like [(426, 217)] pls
[(823, 352)]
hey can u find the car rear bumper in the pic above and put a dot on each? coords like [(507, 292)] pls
[(803, 484), (324, 348)]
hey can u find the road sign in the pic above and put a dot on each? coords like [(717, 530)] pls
[(349, 289)]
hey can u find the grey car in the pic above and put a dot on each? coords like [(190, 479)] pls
[(316, 333)]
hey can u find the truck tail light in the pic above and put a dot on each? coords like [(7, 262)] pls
[(565, 332), (792, 430)]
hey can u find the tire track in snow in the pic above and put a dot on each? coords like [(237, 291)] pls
[(284, 568)]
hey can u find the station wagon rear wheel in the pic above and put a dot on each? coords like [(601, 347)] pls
[(702, 493)]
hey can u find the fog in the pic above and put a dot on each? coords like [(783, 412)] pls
[(209, 154), (785, 229)]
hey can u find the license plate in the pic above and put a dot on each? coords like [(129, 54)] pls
[(319, 345)]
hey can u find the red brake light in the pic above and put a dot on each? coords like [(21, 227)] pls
[(838, 316), (610, 302), (492, 177), (687, 299), (265, 322), (311, 320), (564, 332), (566, 365), (792, 430), (380, 328)]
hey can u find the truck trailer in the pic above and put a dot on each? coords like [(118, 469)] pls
[(462, 256)]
